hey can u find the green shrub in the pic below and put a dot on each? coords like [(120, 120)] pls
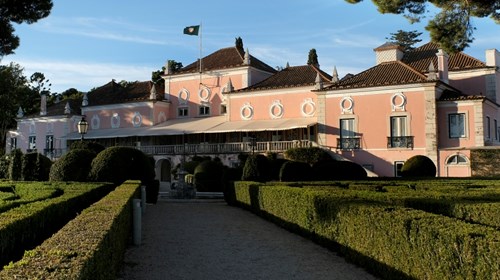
[(418, 166), (118, 164), (73, 166), (15, 165), (208, 176), (337, 170), (294, 171), (275, 165), (190, 166), (256, 168), (309, 155), (4, 166), (87, 145), (35, 167)]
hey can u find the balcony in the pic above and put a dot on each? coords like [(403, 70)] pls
[(54, 153), (349, 143), (400, 142), (224, 148)]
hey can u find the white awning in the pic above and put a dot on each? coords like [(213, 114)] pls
[(263, 125), (196, 125)]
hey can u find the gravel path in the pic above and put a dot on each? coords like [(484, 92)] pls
[(207, 239)]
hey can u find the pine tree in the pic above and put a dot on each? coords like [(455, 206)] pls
[(406, 39)]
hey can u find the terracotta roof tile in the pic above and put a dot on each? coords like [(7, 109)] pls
[(384, 74), (223, 59), (113, 93), (420, 59), (295, 76), (456, 96)]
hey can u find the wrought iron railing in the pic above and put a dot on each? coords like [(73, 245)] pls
[(400, 142), (223, 148), (349, 143)]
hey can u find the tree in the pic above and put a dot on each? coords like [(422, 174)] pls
[(312, 59), (19, 11), (14, 93), (406, 39), (451, 27)]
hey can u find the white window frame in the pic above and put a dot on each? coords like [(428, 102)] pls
[(452, 133)]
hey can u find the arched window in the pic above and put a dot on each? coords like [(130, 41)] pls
[(457, 159)]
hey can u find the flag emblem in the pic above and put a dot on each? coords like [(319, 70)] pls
[(192, 30)]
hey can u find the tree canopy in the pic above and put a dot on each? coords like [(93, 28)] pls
[(451, 28), (406, 39), (312, 58), (19, 11)]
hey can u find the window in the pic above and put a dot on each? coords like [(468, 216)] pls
[(398, 165), (182, 112), (223, 109), (400, 131), (456, 124), (456, 159), (398, 126), (49, 142), (32, 143), (348, 139), (204, 110), (13, 143), (488, 128)]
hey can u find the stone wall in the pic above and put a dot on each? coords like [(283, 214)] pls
[(485, 162)]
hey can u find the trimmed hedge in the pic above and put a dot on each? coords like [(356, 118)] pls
[(94, 147), (392, 241), (73, 166), (89, 247), (256, 168), (35, 167), (208, 176), (338, 170), (29, 224), (309, 155), (14, 195), (293, 171)]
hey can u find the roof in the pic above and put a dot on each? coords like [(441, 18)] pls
[(114, 93), (384, 74), (295, 76), (224, 59), (421, 57), (59, 108)]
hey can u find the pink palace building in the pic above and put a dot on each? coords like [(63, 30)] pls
[(420, 102)]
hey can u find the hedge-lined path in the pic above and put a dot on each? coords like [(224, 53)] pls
[(207, 239)]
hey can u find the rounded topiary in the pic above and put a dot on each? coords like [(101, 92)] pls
[(256, 168), (418, 166), (4, 166), (87, 145), (35, 167), (208, 176), (15, 165), (294, 171), (275, 168), (73, 166), (117, 164), (337, 170), (309, 155)]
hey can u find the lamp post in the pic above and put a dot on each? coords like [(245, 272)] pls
[(83, 127)]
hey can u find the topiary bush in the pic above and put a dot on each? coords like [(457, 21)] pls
[(15, 165), (256, 168), (275, 168), (117, 164), (418, 166), (309, 155), (337, 170), (73, 166), (208, 176), (87, 145), (4, 166), (35, 167), (294, 171)]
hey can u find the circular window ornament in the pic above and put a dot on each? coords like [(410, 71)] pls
[(183, 96), (398, 102), (308, 107), (95, 122), (204, 94), (346, 105), (276, 110), (246, 111), (115, 120), (137, 119)]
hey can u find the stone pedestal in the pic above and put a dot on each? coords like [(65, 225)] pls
[(183, 189)]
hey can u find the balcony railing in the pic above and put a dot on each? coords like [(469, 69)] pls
[(54, 153), (400, 142), (349, 143), (224, 148)]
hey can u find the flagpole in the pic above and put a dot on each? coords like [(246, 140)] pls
[(201, 32)]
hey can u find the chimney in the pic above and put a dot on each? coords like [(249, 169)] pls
[(442, 57), (388, 52), (492, 57), (43, 105)]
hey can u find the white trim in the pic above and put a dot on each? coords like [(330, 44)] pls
[(402, 105), (371, 91), (271, 92), (134, 105), (95, 122), (276, 105), (204, 98), (244, 108), (183, 100), (308, 102), (137, 119), (115, 120), (346, 109)]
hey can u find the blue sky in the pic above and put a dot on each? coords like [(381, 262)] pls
[(85, 44)]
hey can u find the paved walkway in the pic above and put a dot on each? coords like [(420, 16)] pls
[(207, 239)]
